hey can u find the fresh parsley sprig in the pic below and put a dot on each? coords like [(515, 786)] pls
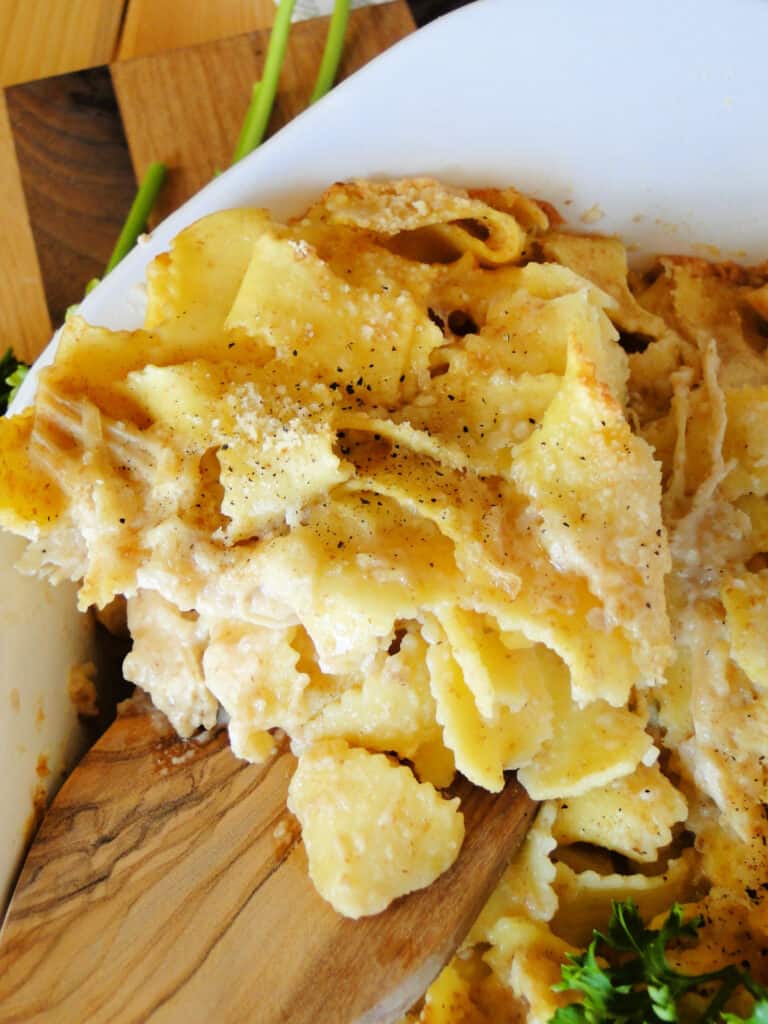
[(759, 1015), (12, 373), (624, 977)]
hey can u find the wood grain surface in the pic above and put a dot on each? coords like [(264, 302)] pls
[(186, 107), (68, 151), (168, 883), (24, 319), (49, 37), (154, 26), (76, 171)]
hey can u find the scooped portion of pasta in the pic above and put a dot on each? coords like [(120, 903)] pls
[(431, 485)]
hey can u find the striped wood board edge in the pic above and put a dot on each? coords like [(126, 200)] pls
[(73, 146)]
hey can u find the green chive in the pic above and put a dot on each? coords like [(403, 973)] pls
[(241, 149), (139, 213), (263, 100), (334, 44), (15, 380)]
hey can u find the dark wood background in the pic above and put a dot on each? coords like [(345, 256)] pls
[(72, 147), (425, 10)]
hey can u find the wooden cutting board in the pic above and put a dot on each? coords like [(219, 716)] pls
[(73, 146)]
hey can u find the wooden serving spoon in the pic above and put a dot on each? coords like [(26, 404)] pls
[(168, 883)]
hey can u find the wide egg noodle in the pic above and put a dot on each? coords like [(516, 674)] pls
[(518, 583), (294, 467), (710, 302), (745, 598), (350, 578), (123, 482), (166, 661), (371, 345), (464, 507), (372, 832), (30, 499), (589, 746), (494, 672), (744, 450), (725, 753), (585, 897), (527, 885), (256, 674), (462, 224), (422, 580), (354, 256), (597, 489), (603, 261), (551, 609), (633, 815), (479, 417), (390, 709), (484, 747), (448, 999), (93, 362), (275, 453), (191, 288), (736, 873), (527, 956), (534, 215)]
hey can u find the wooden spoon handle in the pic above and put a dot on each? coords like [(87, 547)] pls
[(168, 882)]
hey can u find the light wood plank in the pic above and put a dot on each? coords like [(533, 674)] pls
[(168, 884), (24, 320), (48, 37), (186, 107), (154, 26)]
